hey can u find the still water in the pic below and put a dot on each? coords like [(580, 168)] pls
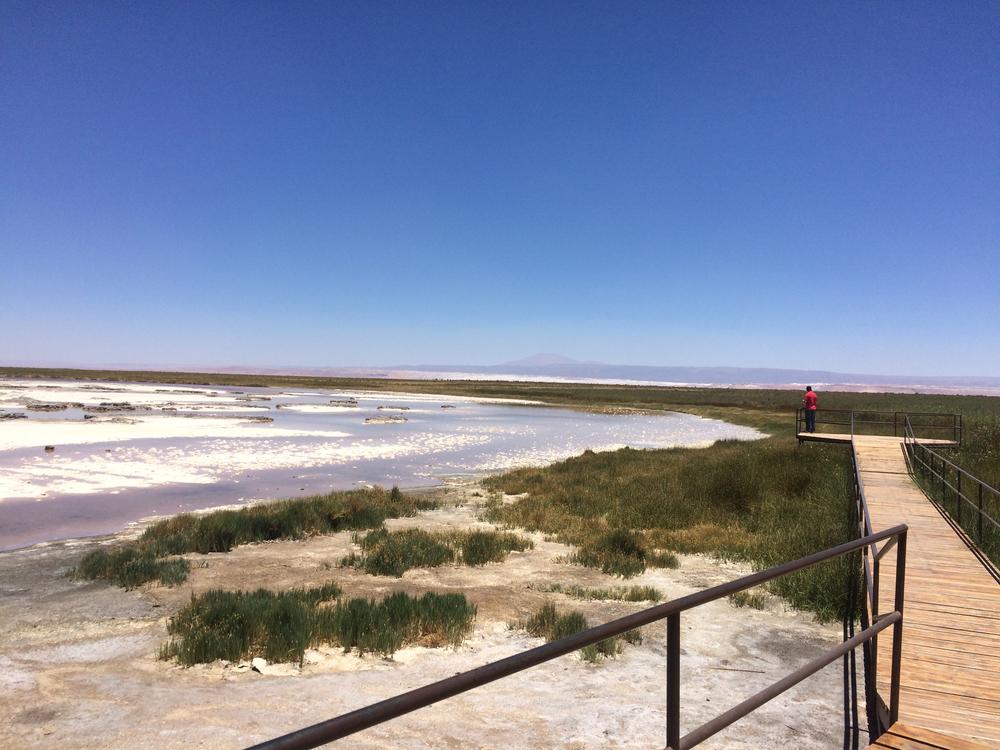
[(121, 452)]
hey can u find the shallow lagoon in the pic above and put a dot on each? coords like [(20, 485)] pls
[(177, 449)]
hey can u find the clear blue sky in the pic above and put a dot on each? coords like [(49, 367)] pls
[(750, 184)]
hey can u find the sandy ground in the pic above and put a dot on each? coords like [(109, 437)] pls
[(78, 665)]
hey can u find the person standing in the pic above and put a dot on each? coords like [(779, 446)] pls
[(809, 404)]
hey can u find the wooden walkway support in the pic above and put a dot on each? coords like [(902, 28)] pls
[(950, 677)]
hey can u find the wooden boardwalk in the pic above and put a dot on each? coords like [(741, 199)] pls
[(950, 676)]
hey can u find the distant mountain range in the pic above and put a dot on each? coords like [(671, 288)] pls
[(559, 368), (564, 368)]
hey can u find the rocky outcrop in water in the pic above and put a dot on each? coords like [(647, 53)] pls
[(347, 403), (392, 419), (42, 406), (394, 408), (109, 406)]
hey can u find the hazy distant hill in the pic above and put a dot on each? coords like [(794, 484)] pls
[(542, 360), (557, 366)]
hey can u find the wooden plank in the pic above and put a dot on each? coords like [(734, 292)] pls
[(900, 742), (903, 737), (933, 738), (895, 742)]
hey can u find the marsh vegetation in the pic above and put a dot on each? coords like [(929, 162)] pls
[(392, 553), (549, 624), (279, 626), (613, 593), (765, 503), (143, 560)]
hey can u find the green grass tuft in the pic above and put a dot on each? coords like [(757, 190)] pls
[(615, 593), (547, 623), (662, 560), (392, 553), (235, 625), (383, 627), (748, 599), (238, 625), (142, 561), (481, 547), (130, 567), (618, 552), (283, 519)]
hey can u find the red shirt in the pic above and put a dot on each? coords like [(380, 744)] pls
[(810, 400)]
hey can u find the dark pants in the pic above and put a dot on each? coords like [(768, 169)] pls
[(810, 420)]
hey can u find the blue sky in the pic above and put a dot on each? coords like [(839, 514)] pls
[(749, 184)]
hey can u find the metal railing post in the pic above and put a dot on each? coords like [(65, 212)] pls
[(897, 630), (874, 602), (674, 681), (979, 522), (941, 477), (958, 500)]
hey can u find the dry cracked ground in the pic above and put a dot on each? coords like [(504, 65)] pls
[(79, 667)]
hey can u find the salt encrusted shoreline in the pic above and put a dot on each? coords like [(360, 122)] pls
[(78, 666)]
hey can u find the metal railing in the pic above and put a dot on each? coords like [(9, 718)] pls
[(363, 718), (942, 426), (968, 501)]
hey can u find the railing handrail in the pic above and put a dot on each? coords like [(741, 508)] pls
[(915, 440), (912, 445), (853, 417), (362, 718), (883, 411), (866, 529)]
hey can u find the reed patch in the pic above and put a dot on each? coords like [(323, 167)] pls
[(135, 563), (614, 593), (392, 553), (279, 626), (764, 502), (549, 624)]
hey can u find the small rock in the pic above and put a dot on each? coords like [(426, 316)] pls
[(257, 664), (49, 448)]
